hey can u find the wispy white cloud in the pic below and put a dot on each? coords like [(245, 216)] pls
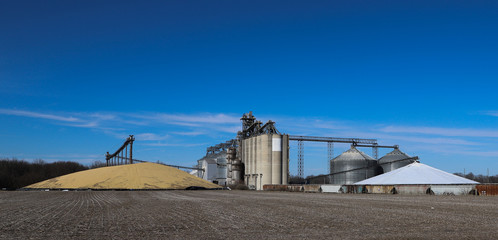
[(217, 122), (331, 125), (228, 129), (202, 118), (310, 126), (153, 126), (150, 137), (175, 144), (461, 132), (414, 144), (185, 124), (208, 124), (428, 140), (103, 116), (92, 124), (449, 150), (491, 113), (157, 133), (38, 115), (188, 120), (480, 153), (193, 133), (79, 120)]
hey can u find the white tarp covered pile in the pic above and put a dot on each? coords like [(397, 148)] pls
[(416, 173)]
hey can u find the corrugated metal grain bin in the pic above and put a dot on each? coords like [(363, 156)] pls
[(452, 189), (412, 189), (352, 166), (329, 188), (487, 189), (312, 188), (394, 160), (379, 189)]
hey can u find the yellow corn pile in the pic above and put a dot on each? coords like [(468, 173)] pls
[(131, 176)]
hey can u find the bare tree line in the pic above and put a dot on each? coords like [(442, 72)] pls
[(479, 178), (15, 174)]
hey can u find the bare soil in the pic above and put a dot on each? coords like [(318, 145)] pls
[(243, 215)]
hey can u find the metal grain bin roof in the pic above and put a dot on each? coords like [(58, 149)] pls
[(395, 159), (353, 154), (393, 156)]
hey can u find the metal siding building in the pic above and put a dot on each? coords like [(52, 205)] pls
[(210, 169)]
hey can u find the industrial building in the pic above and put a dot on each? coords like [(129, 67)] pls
[(215, 165), (259, 158), (210, 167), (264, 152)]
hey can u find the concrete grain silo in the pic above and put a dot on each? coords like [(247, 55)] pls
[(264, 151)]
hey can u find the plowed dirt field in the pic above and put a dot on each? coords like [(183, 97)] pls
[(243, 215)]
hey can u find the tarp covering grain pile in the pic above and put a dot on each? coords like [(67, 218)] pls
[(131, 176), (416, 173)]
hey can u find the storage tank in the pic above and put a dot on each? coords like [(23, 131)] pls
[(353, 166), (395, 160), (221, 162), (235, 168)]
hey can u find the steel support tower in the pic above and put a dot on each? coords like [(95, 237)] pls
[(300, 159), (330, 151)]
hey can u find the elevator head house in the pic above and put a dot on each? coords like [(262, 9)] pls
[(264, 152)]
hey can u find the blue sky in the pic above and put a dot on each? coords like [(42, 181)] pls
[(77, 77)]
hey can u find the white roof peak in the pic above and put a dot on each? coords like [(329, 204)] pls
[(416, 173)]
